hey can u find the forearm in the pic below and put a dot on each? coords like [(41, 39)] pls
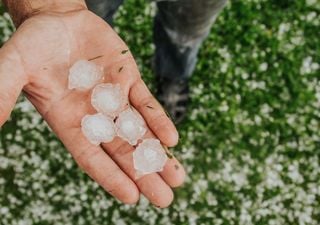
[(20, 10)]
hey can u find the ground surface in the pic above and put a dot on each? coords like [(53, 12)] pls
[(251, 143)]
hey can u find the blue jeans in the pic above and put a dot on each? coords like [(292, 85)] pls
[(180, 26)]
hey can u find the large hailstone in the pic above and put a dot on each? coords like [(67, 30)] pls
[(83, 75), (149, 157), (108, 99), (98, 128), (130, 126)]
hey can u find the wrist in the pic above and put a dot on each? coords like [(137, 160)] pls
[(24, 9)]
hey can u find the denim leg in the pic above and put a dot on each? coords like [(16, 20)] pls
[(179, 29), (104, 8)]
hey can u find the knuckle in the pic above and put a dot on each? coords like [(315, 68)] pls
[(85, 159), (112, 180), (159, 122), (147, 101)]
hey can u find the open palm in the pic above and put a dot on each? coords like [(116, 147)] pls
[(37, 59)]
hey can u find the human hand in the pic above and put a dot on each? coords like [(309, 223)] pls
[(37, 60)]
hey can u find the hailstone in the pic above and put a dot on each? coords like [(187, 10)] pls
[(98, 128), (84, 75), (149, 157), (130, 126), (107, 98)]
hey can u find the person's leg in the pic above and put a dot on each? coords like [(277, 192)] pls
[(104, 8), (180, 27)]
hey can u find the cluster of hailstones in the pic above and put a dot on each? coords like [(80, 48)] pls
[(115, 117)]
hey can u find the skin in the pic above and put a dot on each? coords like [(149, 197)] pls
[(36, 60)]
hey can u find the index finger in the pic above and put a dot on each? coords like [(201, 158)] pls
[(155, 116)]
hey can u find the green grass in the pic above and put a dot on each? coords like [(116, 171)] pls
[(251, 143)]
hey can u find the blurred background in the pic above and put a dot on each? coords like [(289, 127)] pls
[(251, 142)]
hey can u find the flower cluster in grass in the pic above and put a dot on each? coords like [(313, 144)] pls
[(251, 143)]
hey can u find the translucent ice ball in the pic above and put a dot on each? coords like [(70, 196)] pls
[(130, 126), (149, 157), (108, 99), (98, 128), (83, 75)]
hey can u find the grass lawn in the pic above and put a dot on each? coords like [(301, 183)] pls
[(251, 143)]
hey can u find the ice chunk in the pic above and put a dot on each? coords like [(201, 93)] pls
[(108, 99), (83, 75), (130, 126), (149, 157), (98, 128)]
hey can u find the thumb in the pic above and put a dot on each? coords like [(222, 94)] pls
[(12, 80)]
